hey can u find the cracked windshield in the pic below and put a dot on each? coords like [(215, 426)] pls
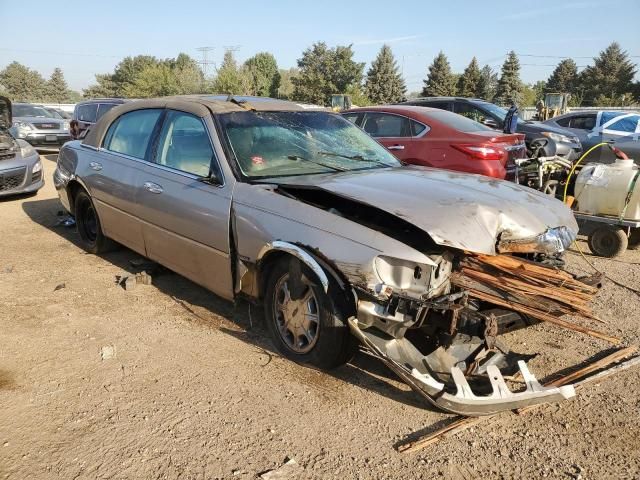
[(267, 144)]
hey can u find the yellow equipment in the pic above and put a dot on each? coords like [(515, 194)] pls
[(554, 104)]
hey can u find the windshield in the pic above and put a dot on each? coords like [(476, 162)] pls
[(53, 114), (30, 111), (271, 144), (497, 111)]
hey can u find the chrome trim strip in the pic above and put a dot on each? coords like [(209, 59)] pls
[(301, 255)]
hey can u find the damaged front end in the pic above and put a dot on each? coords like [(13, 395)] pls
[(441, 338)]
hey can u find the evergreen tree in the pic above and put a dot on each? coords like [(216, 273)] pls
[(56, 89), (610, 77), (509, 88), (469, 82), (564, 78), (487, 83), (440, 81), (230, 77), (384, 84), (263, 75)]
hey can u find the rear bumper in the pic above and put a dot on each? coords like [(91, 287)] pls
[(60, 182)]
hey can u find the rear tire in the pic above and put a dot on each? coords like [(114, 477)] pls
[(92, 238), (609, 241), (310, 329)]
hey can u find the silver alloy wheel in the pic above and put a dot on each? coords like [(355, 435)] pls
[(298, 321)]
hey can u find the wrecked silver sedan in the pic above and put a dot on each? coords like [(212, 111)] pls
[(301, 211)]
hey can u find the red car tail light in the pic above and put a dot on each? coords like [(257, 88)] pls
[(482, 151)]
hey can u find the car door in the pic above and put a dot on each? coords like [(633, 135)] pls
[(395, 133), (618, 128), (184, 211), (112, 173)]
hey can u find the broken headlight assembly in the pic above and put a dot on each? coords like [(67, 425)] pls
[(415, 279), (552, 241)]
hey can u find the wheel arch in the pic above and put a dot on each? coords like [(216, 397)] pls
[(74, 186), (332, 281)]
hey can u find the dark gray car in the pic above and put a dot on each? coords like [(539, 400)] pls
[(20, 165), (595, 126), (557, 141)]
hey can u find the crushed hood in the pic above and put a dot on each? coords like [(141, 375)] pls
[(5, 113), (463, 211)]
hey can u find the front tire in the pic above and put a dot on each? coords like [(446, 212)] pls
[(92, 238), (302, 319)]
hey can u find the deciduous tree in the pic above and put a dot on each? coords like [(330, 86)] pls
[(324, 71), (22, 84), (263, 75)]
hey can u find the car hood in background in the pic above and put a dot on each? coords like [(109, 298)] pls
[(463, 211), (538, 127), (5, 112), (38, 120)]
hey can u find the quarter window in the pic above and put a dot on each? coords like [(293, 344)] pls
[(130, 133), (584, 122), (184, 144), (385, 125), (418, 128)]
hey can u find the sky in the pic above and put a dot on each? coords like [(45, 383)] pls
[(95, 36)]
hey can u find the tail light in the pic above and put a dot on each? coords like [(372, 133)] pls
[(481, 151)]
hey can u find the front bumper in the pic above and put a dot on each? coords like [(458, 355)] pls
[(569, 151), (46, 140), (20, 180)]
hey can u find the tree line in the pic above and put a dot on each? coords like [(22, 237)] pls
[(323, 70)]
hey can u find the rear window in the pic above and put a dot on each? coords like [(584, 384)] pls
[(104, 108), (130, 134), (87, 113), (458, 122)]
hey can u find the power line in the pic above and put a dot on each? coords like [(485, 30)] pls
[(561, 56)]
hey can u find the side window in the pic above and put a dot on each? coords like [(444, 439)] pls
[(625, 125), (87, 113), (184, 144), (439, 105), (352, 117), (130, 133), (469, 111), (418, 128), (564, 122), (104, 108), (385, 125), (583, 122)]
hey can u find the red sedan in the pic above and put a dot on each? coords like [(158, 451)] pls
[(441, 139)]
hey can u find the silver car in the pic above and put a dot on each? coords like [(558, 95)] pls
[(20, 164), (299, 210), (620, 128), (39, 126)]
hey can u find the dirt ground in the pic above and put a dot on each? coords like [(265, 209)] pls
[(168, 381)]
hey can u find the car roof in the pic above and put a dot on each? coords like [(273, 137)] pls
[(199, 105), (104, 100), (408, 110), (447, 99)]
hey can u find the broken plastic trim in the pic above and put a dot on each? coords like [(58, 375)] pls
[(301, 255), (554, 240), (465, 402)]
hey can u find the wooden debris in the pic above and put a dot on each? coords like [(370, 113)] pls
[(538, 291), (463, 423)]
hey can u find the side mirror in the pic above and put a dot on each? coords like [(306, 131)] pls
[(490, 122)]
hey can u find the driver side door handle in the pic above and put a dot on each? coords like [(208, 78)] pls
[(153, 187)]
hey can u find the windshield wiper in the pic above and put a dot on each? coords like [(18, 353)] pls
[(358, 158), (322, 164)]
